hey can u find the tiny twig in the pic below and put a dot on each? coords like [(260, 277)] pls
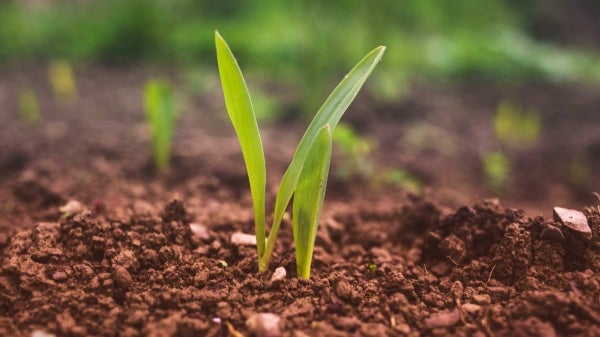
[(490, 276)]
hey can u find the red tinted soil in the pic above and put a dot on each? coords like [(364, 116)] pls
[(125, 262)]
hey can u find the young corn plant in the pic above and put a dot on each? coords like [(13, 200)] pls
[(306, 177)]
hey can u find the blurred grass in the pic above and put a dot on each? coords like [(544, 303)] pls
[(435, 39)]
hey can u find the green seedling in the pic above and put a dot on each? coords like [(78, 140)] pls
[(29, 109), (496, 166), (62, 80), (403, 178), (516, 127), (306, 176), (355, 152), (161, 115)]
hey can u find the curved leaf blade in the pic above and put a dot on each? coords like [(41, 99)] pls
[(241, 114), (308, 199), (329, 114)]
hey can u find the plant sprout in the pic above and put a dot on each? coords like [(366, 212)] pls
[(29, 109), (306, 176), (62, 80), (161, 114)]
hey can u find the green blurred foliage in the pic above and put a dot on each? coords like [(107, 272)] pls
[(62, 80), (306, 42), (496, 167), (161, 115), (402, 178), (355, 152), (29, 109), (516, 127)]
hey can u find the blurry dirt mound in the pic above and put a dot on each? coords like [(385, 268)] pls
[(403, 269)]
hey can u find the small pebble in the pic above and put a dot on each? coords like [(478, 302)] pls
[(71, 208), (59, 276), (264, 325), (574, 221), (242, 239), (200, 231), (40, 333), (443, 319), (122, 277), (278, 274), (471, 308)]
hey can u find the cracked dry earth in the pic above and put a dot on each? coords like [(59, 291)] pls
[(402, 268)]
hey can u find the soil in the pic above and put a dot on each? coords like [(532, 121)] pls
[(93, 242)]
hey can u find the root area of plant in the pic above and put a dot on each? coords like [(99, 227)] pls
[(401, 269)]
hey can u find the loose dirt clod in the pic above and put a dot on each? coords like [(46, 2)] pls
[(482, 271), (443, 319)]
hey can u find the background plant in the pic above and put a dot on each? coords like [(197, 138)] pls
[(306, 176), (436, 39), (161, 116)]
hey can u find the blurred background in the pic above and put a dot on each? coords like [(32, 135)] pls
[(496, 98)]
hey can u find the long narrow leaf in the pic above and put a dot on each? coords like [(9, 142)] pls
[(241, 113), (330, 113), (308, 200)]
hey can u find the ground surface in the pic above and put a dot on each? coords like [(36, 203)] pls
[(126, 262)]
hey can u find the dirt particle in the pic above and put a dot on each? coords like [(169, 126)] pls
[(498, 294), (453, 248), (175, 211), (347, 323), (443, 319), (345, 291), (243, 239), (552, 233), (200, 231), (532, 327), (482, 299), (72, 208), (279, 274), (122, 277), (60, 276), (471, 308), (513, 254), (264, 325), (373, 330)]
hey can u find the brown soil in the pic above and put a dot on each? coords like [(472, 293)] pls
[(125, 262)]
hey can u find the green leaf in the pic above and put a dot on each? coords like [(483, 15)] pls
[(241, 113), (329, 114), (161, 114), (308, 200)]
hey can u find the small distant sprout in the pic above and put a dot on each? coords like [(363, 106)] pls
[(62, 80), (29, 108), (371, 267), (496, 167), (580, 172), (223, 263), (403, 178), (516, 127), (161, 116), (306, 176), (355, 152)]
